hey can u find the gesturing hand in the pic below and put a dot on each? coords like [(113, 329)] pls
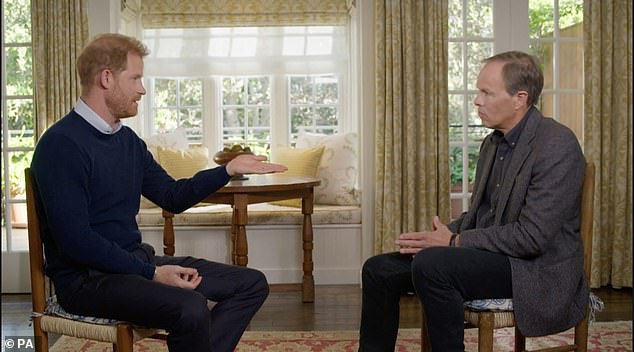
[(177, 276), (252, 164)]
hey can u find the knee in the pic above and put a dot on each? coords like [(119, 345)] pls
[(427, 266), (385, 272), (256, 283), (371, 270)]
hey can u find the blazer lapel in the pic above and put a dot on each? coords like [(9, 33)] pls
[(521, 152)]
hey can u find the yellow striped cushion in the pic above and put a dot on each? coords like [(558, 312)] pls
[(183, 163), (300, 162)]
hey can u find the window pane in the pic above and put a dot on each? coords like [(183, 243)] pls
[(20, 123), (544, 52), (246, 112), (17, 17), (326, 90), (571, 113), (455, 117), (571, 73), (19, 71), (314, 104), (546, 104), (480, 18), (165, 92), (455, 18), (166, 119), (191, 92), (191, 118), (326, 116), (232, 91), (456, 66), (300, 91), (570, 14), (300, 118), (541, 22), (259, 91), (476, 52), (232, 118), (455, 165), (18, 161), (259, 117), (475, 130)]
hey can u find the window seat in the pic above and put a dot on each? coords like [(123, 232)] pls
[(259, 214)]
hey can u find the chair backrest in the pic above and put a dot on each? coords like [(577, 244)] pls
[(36, 251), (587, 214)]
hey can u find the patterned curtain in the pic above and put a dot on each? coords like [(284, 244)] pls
[(219, 13), (608, 136), (60, 31), (412, 173)]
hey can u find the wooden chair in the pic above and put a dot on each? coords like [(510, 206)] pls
[(122, 335), (487, 321)]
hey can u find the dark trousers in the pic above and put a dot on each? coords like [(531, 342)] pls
[(239, 291), (443, 278)]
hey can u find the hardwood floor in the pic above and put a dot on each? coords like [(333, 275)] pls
[(335, 308)]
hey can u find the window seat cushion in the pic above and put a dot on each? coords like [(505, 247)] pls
[(259, 214)]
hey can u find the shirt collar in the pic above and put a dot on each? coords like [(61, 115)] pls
[(512, 136), (94, 119)]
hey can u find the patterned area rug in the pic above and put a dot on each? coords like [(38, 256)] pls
[(604, 337)]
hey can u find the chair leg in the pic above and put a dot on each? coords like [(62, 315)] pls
[(41, 336), (424, 334), (520, 341), (485, 332), (125, 338), (581, 335)]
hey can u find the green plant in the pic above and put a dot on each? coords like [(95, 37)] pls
[(456, 168)]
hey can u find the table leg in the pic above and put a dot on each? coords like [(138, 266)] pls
[(168, 233), (234, 235), (308, 282), (239, 221)]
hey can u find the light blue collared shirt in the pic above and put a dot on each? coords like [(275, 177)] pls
[(94, 119)]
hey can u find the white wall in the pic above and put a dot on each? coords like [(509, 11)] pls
[(275, 250)]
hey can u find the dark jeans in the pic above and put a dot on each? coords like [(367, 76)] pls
[(443, 278), (183, 313)]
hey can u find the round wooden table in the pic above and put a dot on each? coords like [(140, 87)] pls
[(261, 189)]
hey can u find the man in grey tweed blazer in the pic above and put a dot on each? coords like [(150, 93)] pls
[(519, 239)]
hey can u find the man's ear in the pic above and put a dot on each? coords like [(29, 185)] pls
[(521, 97), (106, 79)]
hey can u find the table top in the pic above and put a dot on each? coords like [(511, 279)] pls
[(269, 183)]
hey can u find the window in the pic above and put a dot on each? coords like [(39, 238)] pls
[(255, 86), (246, 112), (18, 137), (178, 103), (477, 30)]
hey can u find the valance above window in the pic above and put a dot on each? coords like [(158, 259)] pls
[(197, 52), (230, 13)]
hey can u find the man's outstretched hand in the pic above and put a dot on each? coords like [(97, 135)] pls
[(252, 164)]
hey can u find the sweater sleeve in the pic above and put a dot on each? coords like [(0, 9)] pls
[(177, 196)]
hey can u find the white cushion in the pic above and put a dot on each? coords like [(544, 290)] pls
[(339, 167), (173, 139)]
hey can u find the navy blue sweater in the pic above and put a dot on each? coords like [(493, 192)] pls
[(90, 185)]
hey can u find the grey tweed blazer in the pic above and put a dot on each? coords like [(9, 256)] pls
[(537, 220)]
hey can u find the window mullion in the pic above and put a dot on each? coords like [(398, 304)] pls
[(212, 114), (280, 124)]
